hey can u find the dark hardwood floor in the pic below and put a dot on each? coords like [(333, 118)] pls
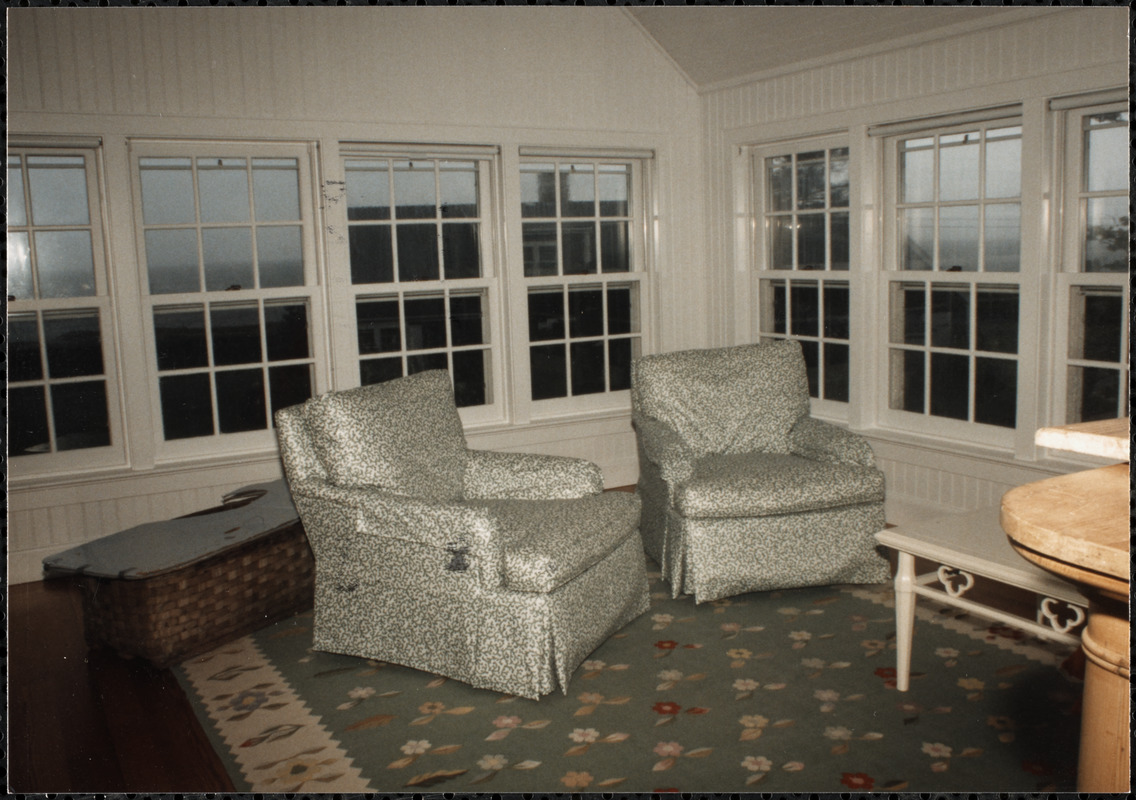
[(82, 721)]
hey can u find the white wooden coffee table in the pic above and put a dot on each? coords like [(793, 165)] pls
[(969, 546)]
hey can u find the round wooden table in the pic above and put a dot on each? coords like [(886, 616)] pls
[(1077, 526)]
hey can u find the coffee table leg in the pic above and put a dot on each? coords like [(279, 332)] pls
[(904, 618)]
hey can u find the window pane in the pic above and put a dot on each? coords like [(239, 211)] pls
[(620, 353), (276, 189), (549, 368), (424, 363), (65, 263), (467, 321), (839, 235), (179, 334), (958, 239), (620, 310), (908, 314), (1107, 151), (24, 361), (280, 257), (171, 261), (1095, 393), (1003, 237), (540, 248), (615, 191), (371, 260), (378, 326), (918, 239), (460, 250), (286, 331), (414, 195), (579, 248), (17, 208), (79, 411), (811, 352), (458, 181), (546, 315), (810, 241), (1004, 168), (538, 191), (368, 190), (585, 312), (74, 343), (950, 385), (996, 392), (289, 385), (997, 320), (836, 324), (779, 179), (425, 322), (805, 309), (811, 180), (907, 380), (418, 252), (958, 172), (469, 371), (27, 421), (378, 370), (187, 408), (838, 177), (240, 400), (836, 372), (227, 254), (773, 307), (577, 191), (58, 190), (236, 334), (917, 180), (1106, 240), (588, 368), (1096, 325), (781, 242), (167, 191), (224, 189), (950, 317), (615, 248), (19, 267)]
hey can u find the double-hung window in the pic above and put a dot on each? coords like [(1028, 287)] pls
[(63, 406), (582, 230), (420, 243), (953, 283), (801, 205), (1093, 281), (226, 242)]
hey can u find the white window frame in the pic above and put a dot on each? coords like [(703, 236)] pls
[(344, 295), (311, 292), (763, 273), (641, 164), (100, 301)]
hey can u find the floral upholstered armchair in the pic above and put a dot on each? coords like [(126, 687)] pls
[(502, 570), (742, 490)]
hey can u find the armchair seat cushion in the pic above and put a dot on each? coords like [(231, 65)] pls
[(764, 484), (547, 543)]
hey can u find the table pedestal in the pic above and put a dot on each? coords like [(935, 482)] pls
[(1104, 754)]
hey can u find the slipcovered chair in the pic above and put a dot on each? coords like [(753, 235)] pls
[(743, 490), (502, 570)]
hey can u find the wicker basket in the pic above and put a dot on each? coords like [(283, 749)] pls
[(169, 617)]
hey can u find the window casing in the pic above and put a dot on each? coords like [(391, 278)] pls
[(226, 242), (583, 279), (63, 396), (801, 202), (953, 280), (1093, 294)]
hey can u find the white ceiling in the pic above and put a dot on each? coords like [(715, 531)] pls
[(715, 45)]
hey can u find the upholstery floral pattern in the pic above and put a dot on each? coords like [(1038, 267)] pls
[(742, 490), (501, 570)]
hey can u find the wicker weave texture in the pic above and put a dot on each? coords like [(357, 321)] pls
[(170, 617)]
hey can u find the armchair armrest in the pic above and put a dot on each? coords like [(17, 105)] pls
[(823, 441), (662, 446), (528, 476)]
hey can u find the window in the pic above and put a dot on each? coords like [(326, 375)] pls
[(421, 267), (1093, 284), (581, 230), (62, 388), (802, 209), (953, 292), (225, 237)]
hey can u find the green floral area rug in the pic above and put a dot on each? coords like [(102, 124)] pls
[(789, 691)]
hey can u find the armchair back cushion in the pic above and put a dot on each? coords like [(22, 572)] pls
[(404, 436), (727, 400)]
